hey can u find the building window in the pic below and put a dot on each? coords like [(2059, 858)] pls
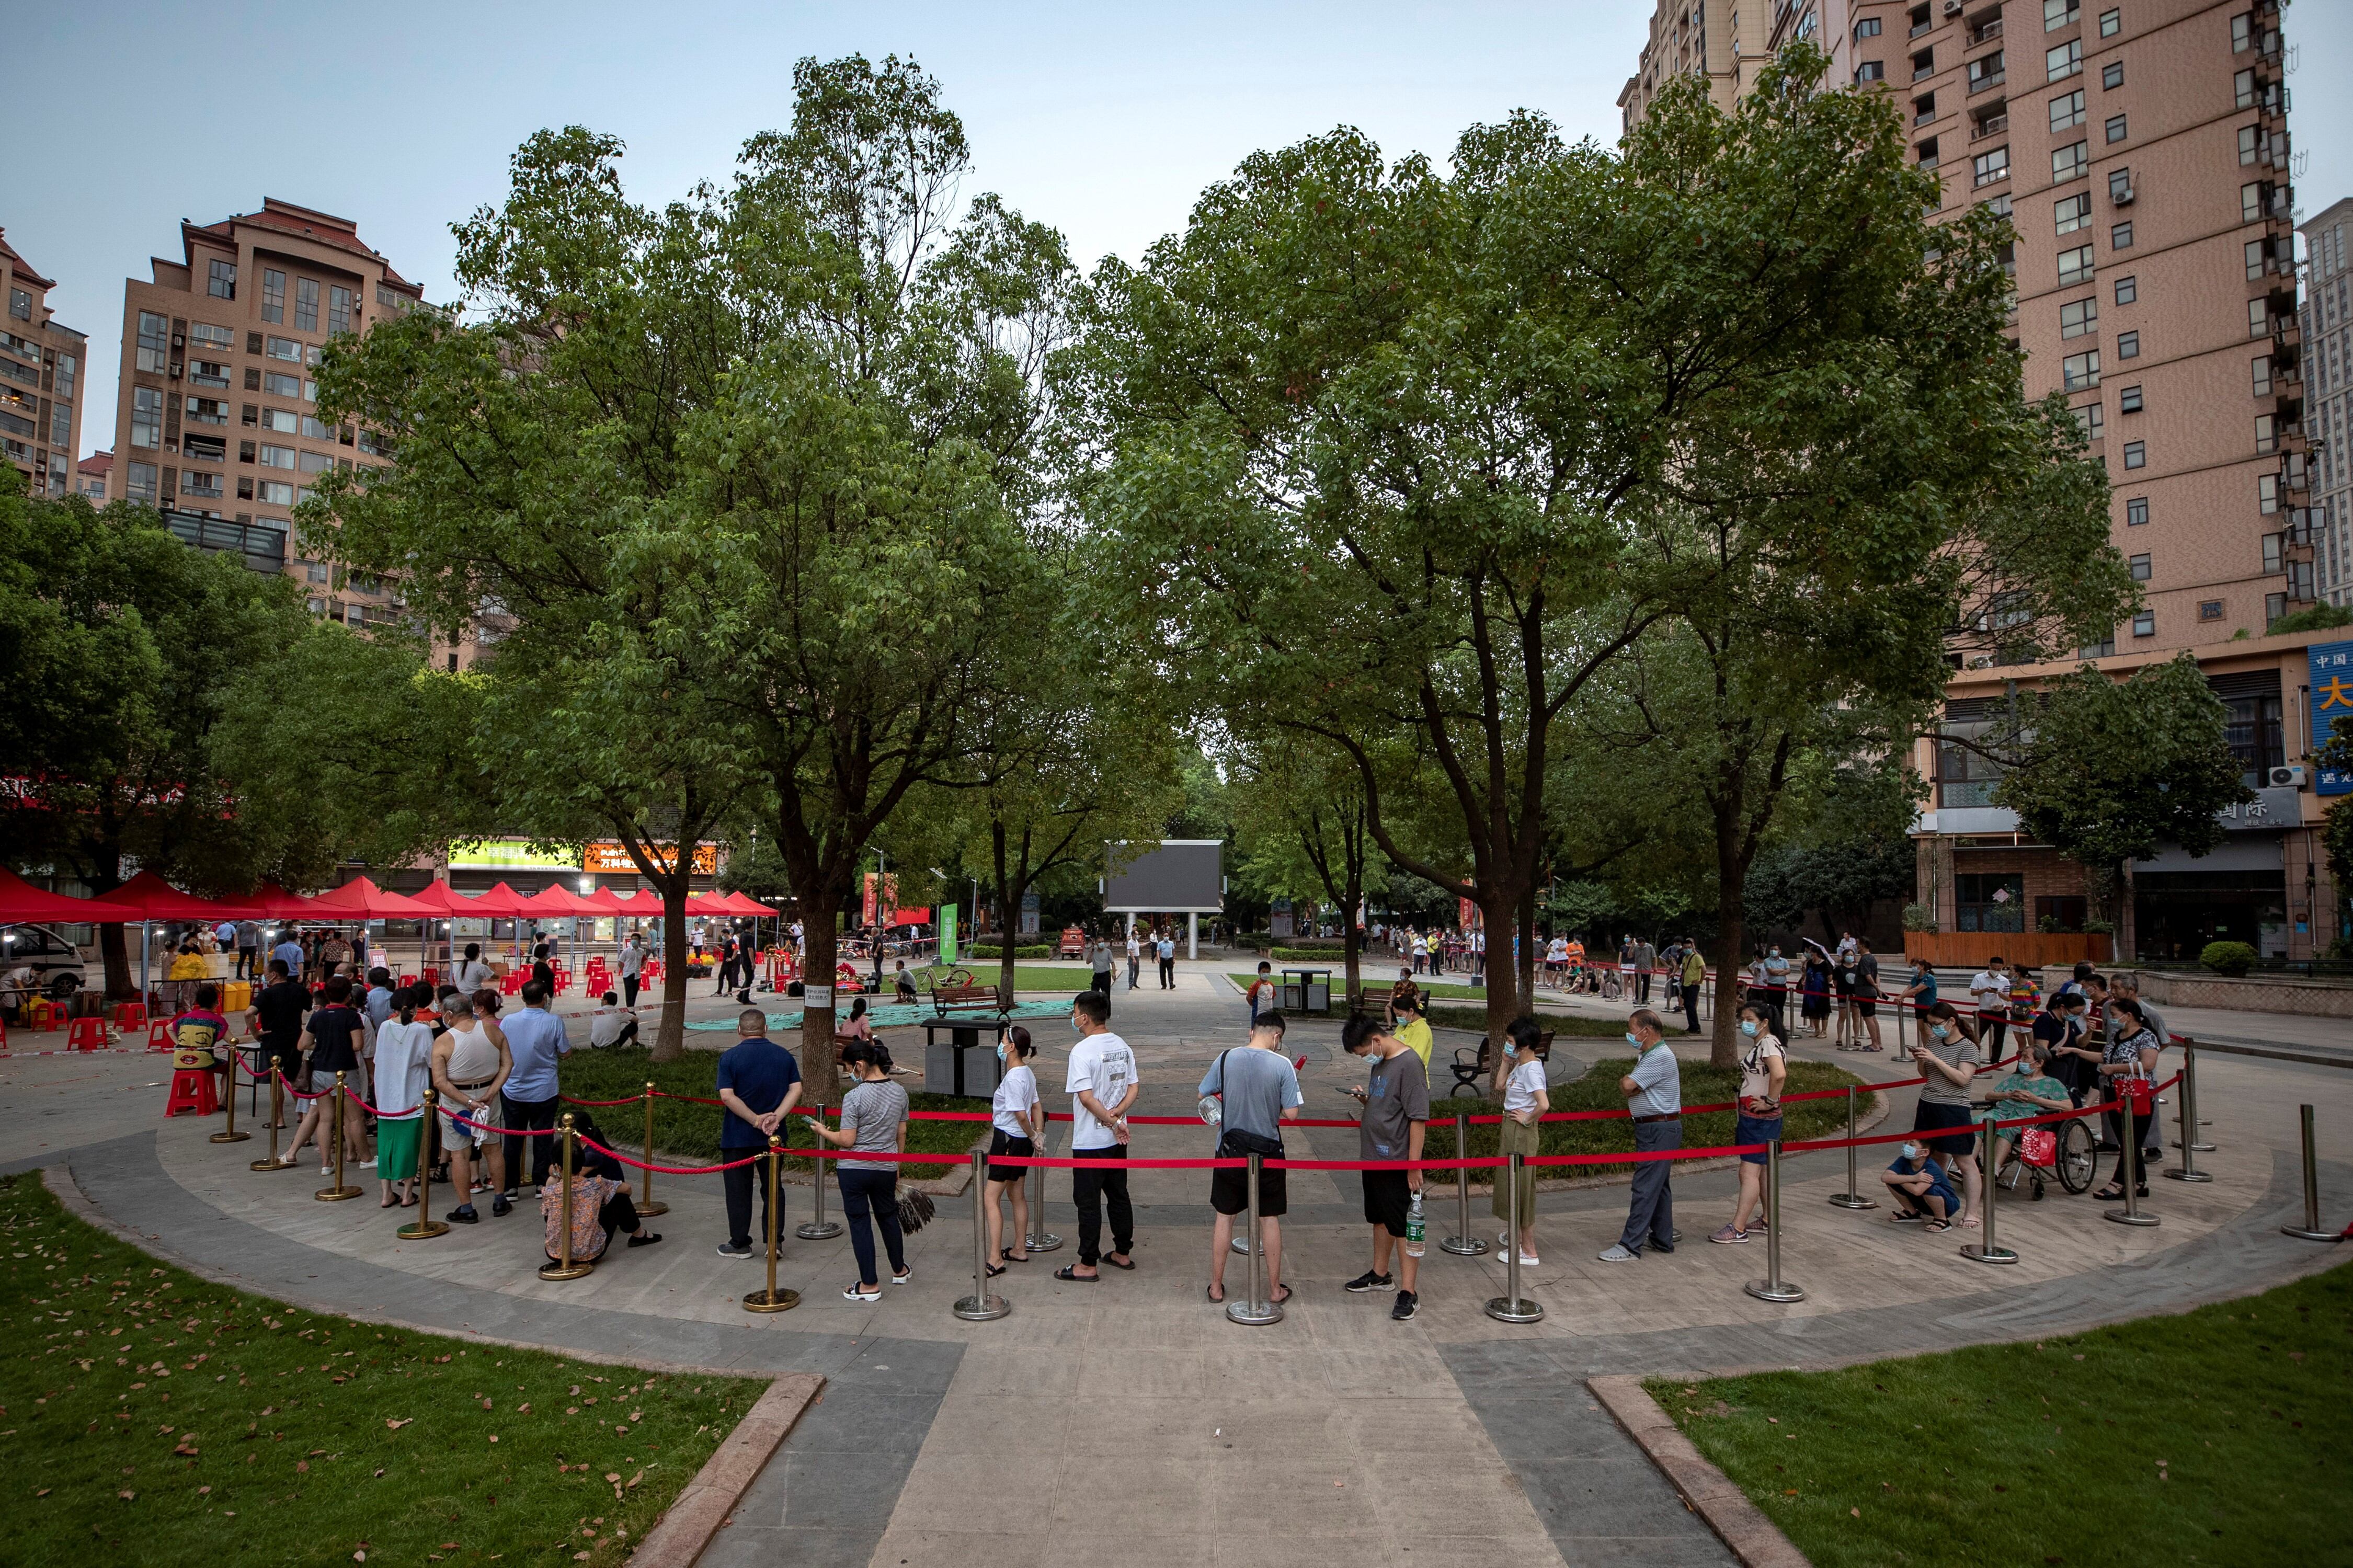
[(20, 304), (2080, 371), (275, 492), (2120, 189), (306, 305), (146, 416), (2076, 266), (2250, 203), (273, 294), (2210, 609), (2067, 110), (2242, 32), (2245, 83), (276, 456), (1927, 153), (285, 349), (2072, 212), (2128, 345), (67, 364), (2111, 22), (2078, 317), (2000, 207), (154, 347), (2071, 162), (222, 283), (2140, 569), (2267, 494), (284, 420), (202, 485), (212, 337), (314, 430), (2250, 144), (1870, 70), (2136, 454), (2058, 13), (2128, 400), (2128, 290), (2120, 238), (1866, 28), (2094, 419), (138, 483), (2259, 318), (339, 310), (2266, 434), (2116, 128), (2274, 606), (2112, 76), (279, 384), (1985, 71), (2145, 623), (2065, 61), (2261, 367), (2274, 555), (1989, 901), (207, 410), (1988, 167), (2136, 511)]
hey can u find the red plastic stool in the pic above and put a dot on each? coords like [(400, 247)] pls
[(87, 1034), (159, 1035), (192, 1089), (509, 982), (129, 1016), (44, 1014)]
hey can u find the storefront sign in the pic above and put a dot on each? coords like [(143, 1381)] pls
[(506, 855), (2272, 808), (607, 857), (2332, 699)]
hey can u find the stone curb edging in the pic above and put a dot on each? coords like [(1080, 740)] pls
[(1753, 1537), (705, 1505)]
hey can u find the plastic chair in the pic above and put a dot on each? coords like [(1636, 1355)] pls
[(45, 1013), (87, 1034), (129, 1016), (433, 977), (192, 1089), (159, 1035), (509, 982)]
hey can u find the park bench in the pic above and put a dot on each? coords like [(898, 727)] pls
[(960, 993), (1467, 1074)]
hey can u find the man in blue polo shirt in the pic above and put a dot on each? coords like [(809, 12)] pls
[(535, 1037), (759, 1084)]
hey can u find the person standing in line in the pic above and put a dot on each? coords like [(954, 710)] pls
[(1396, 1101), (873, 1122), (2060, 1031), (1526, 1097), (1261, 994), (1413, 1028), (1866, 992), (759, 1083), (1989, 989), (1258, 1091), (1421, 952), (331, 1037), (278, 1010), (536, 1042), (2028, 1089), (404, 1065), (1168, 959), (1404, 993), (1694, 979), (2152, 1148), (469, 1067), (473, 975), (249, 945), (2025, 1001), (1921, 994), (1646, 959), (2129, 1057), (1764, 1069), (747, 965), (1814, 994), (1017, 1119), (633, 967), (1102, 1084), (1655, 1100), (1134, 957), (1950, 1063), (1099, 967), (723, 969), (379, 1003)]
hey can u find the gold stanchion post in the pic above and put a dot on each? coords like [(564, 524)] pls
[(424, 1225), (566, 1266), (646, 1204), (230, 1134), (772, 1300), (277, 1115), (342, 1189)]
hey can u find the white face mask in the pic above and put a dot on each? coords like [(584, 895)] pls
[(1634, 1039), (1748, 1026), (1939, 1031), (1910, 1151), (1000, 1051)]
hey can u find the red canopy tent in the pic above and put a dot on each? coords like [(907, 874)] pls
[(743, 904), (500, 902), (444, 899), (605, 902), (148, 897), (272, 902), (644, 901), (560, 901), (362, 897), (20, 901)]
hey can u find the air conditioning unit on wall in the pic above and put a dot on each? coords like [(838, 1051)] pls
[(2288, 777)]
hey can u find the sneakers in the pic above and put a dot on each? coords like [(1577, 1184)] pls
[(729, 1249), (464, 1215), (1368, 1280), (1407, 1304), (1617, 1254), (1728, 1237), (1529, 1260)]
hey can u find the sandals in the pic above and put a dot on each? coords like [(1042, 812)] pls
[(994, 1269), (643, 1238), (1279, 1294), (1004, 1255), (1064, 1272), (1215, 1293), (1116, 1263), (1935, 1224)]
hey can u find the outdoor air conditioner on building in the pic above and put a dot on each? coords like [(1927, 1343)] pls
[(2288, 777), (1952, 8), (2123, 198)]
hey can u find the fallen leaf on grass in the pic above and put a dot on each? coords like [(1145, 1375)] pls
[(1856, 1511), (394, 1424)]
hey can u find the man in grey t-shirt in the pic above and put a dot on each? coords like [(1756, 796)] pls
[(1396, 1098), (1258, 1090)]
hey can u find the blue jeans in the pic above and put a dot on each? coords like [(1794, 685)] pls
[(875, 1193), (1652, 1216)]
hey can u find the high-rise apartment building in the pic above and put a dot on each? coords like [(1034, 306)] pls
[(2140, 148), (1724, 40), (2328, 348), (218, 425), (41, 364)]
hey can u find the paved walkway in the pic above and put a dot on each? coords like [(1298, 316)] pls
[(1128, 1419)]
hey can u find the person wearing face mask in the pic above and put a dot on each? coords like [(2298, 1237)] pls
[(1102, 1084), (1990, 988), (1764, 1069), (1654, 1098), (1923, 1197), (1949, 1065), (1016, 1126)]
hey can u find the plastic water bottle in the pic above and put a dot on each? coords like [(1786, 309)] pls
[(1413, 1229)]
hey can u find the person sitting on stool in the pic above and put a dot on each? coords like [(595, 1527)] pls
[(600, 1200)]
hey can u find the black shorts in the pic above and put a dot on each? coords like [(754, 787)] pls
[(1866, 1004), (1929, 1116), (1387, 1200), (1229, 1192), (1000, 1142)]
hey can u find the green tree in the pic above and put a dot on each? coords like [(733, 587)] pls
[(1299, 808), (2337, 831), (2104, 771)]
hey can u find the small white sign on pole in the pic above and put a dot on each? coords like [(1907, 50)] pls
[(817, 997)]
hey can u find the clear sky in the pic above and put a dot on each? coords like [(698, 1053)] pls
[(1105, 120)]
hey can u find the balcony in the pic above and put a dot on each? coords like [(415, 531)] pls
[(264, 548), (1979, 84), (1985, 32), (1991, 125)]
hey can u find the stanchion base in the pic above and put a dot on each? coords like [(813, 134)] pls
[(982, 1308), (1977, 1254), (2300, 1234), (1464, 1247), (229, 1137), (336, 1195), (1240, 1245), (2195, 1148), (2187, 1177), (575, 1270), (268, 1165), (1850, 1201), (423, 1230), (1046, 1243), (1253, 1314), (651, 1208), (2118, 1216), (1767, 1291), (760, 1300), (815, 1232), (1504, 1310)]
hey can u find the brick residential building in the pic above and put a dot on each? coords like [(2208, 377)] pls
[(1724, 40), (89, 477), (216, 423), (2329, 347), (41, 366)]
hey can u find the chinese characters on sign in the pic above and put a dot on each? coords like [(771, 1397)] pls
[(2332, 699)]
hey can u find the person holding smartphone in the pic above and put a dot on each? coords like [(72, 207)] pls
[(1396, 1101)]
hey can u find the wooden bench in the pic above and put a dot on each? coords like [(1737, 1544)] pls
[(960, 993), (1467, 1074)]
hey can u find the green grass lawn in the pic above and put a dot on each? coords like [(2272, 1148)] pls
[(1598, 1090), (1071, 979), (2217, 1437), (691, 1130), (156, 1419)]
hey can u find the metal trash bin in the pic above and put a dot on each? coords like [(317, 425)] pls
[(1307, 991)]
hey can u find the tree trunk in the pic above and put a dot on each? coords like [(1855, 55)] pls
[(1505, 998), (1352, 947), (821, 1058), (114, 951), (1732, 935), (669, 1038)]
